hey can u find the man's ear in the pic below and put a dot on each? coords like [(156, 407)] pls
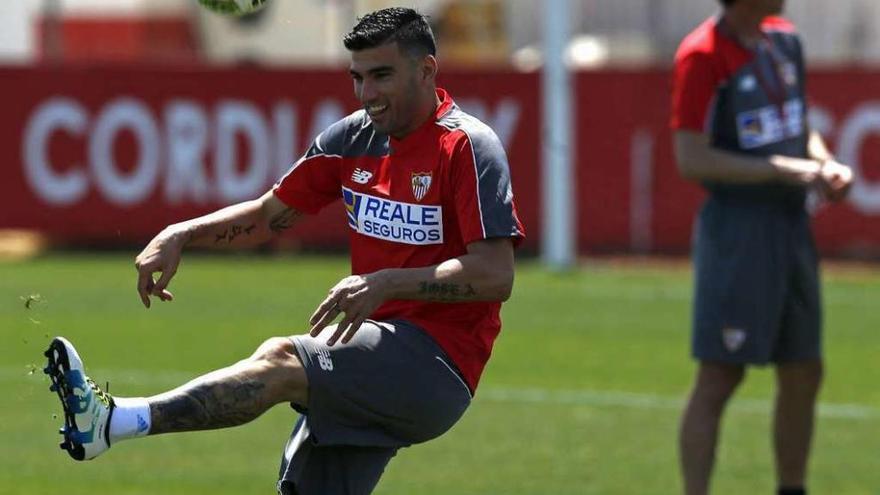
[(429, 68)]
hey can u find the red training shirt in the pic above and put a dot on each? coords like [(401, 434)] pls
[(416, 202)]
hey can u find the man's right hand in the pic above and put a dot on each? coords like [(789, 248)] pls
[(836, 180), (162, 254)]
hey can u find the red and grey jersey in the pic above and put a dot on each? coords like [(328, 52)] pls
[(412, 203), (747, 101)]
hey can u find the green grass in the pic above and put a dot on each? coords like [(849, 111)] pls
[(582, 395)]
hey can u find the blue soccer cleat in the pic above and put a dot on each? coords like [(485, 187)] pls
[(87, 408)]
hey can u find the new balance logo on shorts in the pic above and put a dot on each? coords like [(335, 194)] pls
[(324, 360)]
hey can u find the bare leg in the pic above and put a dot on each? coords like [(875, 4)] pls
[(797, 388), (233, 395), (715, 384)]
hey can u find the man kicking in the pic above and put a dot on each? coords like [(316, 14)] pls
[(433, 227)]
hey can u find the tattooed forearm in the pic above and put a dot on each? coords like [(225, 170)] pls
[(447, 292), (207, 405), (231, 233), (283, 220)]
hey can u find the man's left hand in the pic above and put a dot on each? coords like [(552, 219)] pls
[(357, 297)]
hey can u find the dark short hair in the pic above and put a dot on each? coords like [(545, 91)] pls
[(727, 3), (396, 24)]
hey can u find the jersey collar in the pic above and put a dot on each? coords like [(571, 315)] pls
[(445, 106)]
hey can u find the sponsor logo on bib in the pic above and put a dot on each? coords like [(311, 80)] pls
[(765, 125)]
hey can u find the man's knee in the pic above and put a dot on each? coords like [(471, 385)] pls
[(281, 368), (801, 377), (276, 350), (717, 382)]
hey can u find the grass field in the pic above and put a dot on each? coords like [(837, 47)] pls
[(582, 395)]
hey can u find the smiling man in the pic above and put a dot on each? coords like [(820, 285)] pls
[(433, 227)]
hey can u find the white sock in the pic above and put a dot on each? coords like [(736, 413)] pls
[(131, 418)]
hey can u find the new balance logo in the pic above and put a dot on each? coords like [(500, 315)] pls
[(324, 361), (142, 425), (361, 176), (748, 83)]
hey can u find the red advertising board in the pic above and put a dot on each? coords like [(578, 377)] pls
[(108, 153), (631, 196), (113, 154)]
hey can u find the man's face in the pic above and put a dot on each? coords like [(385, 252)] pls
[(774, 7), (390, 85), (764, 7)]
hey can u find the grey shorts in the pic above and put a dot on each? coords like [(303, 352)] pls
[(391, 386), (757, 294)]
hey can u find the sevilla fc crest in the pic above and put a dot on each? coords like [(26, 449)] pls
[(421, 182), (733, 338)]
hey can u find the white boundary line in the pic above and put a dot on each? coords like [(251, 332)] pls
[(631, 400), (489, 393)]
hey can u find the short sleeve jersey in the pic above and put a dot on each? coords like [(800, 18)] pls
[(746, 101), (416, 202)]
